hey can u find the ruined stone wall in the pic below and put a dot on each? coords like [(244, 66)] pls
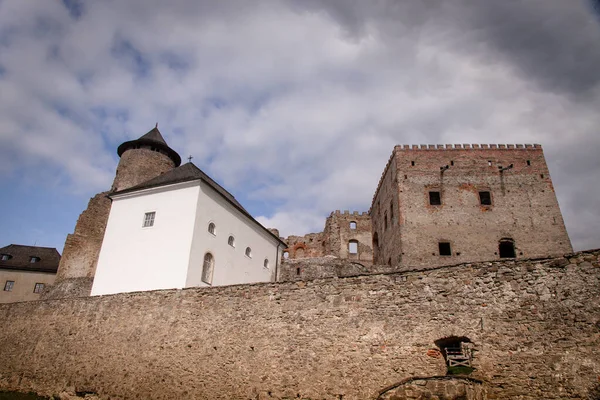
[(523, 205), (534, 325), (340, 232), (327, 267), (80, 255), (310, 245)]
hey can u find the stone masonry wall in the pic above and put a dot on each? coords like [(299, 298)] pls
[(534, 325), (139, 165), (524, 206)]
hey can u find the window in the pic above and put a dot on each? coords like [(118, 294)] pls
[(489, 163), (34, 259), (485, 198), (297, 271), (231, 241), (6, 257), (392, 212), (352, 225), (385, 222), (506, 248), (528, 162), (149, 219), (266, 263), (412, 163), (207, 268), (445, 249), (452, 163), (38, 288), (286, 254), (212, 228), (353, 247), (458, 354), (435, 199), (248, 252), (8, 286)]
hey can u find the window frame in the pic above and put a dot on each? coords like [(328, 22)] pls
[(350, 243), (248, 252), (9, 285), (481, 198), (353, 225), (441, 244), (5, 257), (149, 219), (34, 259), (211, 268), (231, 241), (212, 228), (266, 263), (39, 285), (439, 197)]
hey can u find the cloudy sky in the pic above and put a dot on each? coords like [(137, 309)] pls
[(293, 105)]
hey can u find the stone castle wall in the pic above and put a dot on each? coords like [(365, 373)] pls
[(534, 325), (139, 165), (523, 204)]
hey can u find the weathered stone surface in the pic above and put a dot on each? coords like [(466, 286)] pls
[(534, 329), (523, 206), (436, 388)]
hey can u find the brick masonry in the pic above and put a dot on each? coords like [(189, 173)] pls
[(523, 207), (534, 325)]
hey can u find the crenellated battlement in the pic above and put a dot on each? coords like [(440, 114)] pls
[(466, 146), (348, 213)]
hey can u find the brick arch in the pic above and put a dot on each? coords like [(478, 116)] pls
[(296, 247)]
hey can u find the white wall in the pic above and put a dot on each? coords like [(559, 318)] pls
[(231, 264), (134, 258)]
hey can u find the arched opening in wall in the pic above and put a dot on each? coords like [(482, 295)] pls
[(352, 224), (208, 268), (353, 247), (390, 261), (212, 228), (300, 252), (375, 248), (231, 241), (286, 255), (458, 354), (506, 248)]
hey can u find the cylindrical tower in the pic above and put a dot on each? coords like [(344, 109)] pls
[(143, 159)]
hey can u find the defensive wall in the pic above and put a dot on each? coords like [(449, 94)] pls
[(534, 325)]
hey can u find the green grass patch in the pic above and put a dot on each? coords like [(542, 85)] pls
[(460, 370), (20, 396)]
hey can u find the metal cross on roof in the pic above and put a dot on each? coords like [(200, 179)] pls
[(190, 158)]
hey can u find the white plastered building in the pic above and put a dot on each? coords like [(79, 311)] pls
[(182, 229)]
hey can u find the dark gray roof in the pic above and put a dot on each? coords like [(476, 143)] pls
[(187, 173), (20, 258), (154, 139)]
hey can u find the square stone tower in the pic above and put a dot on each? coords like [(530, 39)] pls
[(447, 204)]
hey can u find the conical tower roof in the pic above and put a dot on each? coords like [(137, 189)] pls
[(153, 139)]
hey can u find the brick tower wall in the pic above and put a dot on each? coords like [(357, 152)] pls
[(80, 255), (523, 204), (339, 233)]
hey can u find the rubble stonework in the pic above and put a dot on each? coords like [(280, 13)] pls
[(533, 324), (407, 229), (335, 238)]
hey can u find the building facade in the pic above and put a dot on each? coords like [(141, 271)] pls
[(180, 230), (448, 204), (26, 271)]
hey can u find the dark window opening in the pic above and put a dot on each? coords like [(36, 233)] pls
[(445, 249), (34, 259), (485, 198), (489, 163), (390, 262), (6, 257), (435, 199), (458, 354), (391, 212), (451, 162), (297, 271), (542, 176), (385, 222), (506, 248), (412, 163), (528, 162)]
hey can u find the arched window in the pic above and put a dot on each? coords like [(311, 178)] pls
[(353, 247), (248, 252), (231, 241), (212, 228), (266, 263), (458, 354), (207, 268), (352, 224), (286, 255), (506, 248)]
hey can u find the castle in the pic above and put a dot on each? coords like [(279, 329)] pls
[(459, 283)]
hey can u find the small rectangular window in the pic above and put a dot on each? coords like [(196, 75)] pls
[(352, 225), (489, 163), (485, 198), (445, 249), (528, 162), (412, 163), (435, 199), (149, 219), (38, 288), (5, 257), (8, 286), (353, 247)]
